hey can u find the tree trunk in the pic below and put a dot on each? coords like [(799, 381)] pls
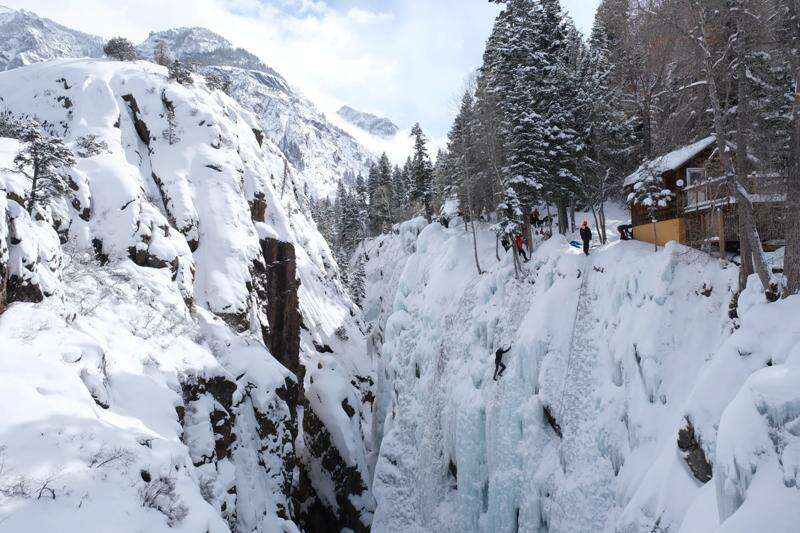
[(550, 218), (602, 213), (572, 215), (497, 247), (597, 225), (527, 231), (516, 260), (563, 223), (744, 206), (655, 235), (475, 245), (791, 262)]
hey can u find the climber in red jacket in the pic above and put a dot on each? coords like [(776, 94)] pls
[(520, 241)]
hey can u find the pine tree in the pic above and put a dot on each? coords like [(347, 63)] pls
[(400, 197), (651, 193), (381, 196), (162, 55), (180, 73), (422, 172), (44, 160), (357, 284), (120, 48)]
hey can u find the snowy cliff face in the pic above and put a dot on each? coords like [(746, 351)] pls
[(176, 344), (633, 401), (381, 127), (28, 38), (322, 153)]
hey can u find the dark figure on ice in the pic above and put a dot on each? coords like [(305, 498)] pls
[(535, 220), (520, 241), (586, 236), (625, 232), (499, 367)]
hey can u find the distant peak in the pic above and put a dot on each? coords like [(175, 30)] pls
[(380, 126)]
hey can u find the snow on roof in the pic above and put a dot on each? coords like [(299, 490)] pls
[(670, 161)]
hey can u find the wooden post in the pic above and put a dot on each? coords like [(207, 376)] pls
[(721, 231)]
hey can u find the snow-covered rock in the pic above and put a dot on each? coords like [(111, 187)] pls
[(26, 38), (322, 153), (162, 315), (375, 125), (636, 398)]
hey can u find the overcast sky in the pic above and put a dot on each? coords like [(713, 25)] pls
[(404, 59)]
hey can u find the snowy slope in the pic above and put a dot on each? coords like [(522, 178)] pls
[(665, 414), (323, 153), (26, 38), (172, 328)]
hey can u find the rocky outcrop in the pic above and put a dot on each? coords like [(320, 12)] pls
[(279, 290), (693, 453), (348, 484)]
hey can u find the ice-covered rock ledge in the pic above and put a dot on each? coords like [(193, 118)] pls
[(675, 412)]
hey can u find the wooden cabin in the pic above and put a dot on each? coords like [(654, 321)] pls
[(702, 213)]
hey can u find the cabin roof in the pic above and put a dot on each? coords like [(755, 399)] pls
[(671, 161)]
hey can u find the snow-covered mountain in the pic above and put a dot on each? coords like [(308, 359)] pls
[(378, 126), (176, 343), (323, 153), (26, 38), (641, 393)]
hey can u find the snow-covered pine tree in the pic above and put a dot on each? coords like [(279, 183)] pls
[(650, 193), (381, 196), (422, 172), (181, 73), (603, 129), (400, 197), (44, 160), (461, 157), (358, 280), (162, 55), (120, 48)]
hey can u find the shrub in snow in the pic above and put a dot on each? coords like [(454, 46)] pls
[(341, 333), (120, 48), (9, 125), (90, 145), (44, 160), (180, 73), (160, 495), (218, 83)]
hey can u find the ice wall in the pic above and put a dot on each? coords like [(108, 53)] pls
[(635, 399)]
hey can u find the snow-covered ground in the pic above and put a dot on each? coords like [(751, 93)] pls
[(156, 311), (674, 413)]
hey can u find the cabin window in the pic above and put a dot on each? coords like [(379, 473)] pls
[(695, 176), (695, 195)]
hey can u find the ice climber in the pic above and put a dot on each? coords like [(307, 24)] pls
[(586, 236), (520, 241), (499, 367)]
